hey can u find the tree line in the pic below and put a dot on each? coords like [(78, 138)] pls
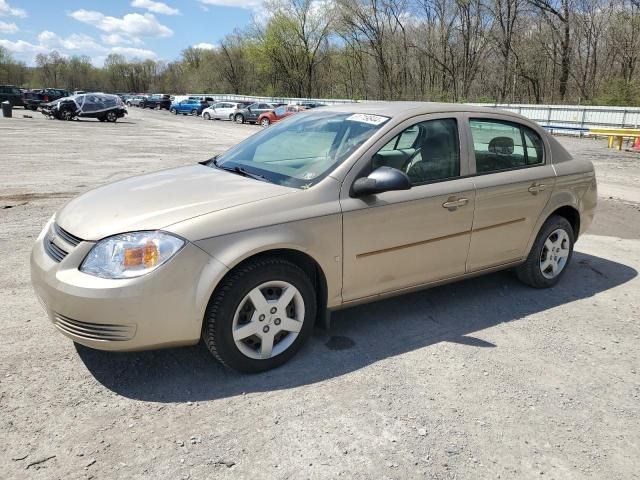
[(517, 51)]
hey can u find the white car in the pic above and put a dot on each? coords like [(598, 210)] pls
[(221, 111)]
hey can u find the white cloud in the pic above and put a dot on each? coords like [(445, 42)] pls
[(74, 44), (116, 39), (75, 41), (8, 28), (129, 52), (155, 7), (132, 26), (247, 4), (8, 10), (22, 47), (205, 46)]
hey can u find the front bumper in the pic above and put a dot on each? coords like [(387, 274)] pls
[(161, 309)]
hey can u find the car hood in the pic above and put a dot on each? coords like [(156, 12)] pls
[(157, 200)]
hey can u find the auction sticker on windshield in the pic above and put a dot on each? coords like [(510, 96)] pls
[(366, 118)]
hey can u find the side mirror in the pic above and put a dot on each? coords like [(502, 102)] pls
[(383, 179)]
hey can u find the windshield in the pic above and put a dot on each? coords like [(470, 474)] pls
[(302, 150)]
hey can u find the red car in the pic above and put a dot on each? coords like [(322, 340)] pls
[(278, 114)]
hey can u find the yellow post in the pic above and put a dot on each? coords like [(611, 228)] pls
[(610, 145), (620, 143)]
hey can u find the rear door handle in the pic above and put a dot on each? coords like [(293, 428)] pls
[(452, 203), (537, 187)]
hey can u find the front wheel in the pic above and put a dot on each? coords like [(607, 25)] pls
[(239, 118), (260, 315), (550, 254), (194, 112)]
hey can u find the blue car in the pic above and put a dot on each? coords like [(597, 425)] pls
[(188, 106)]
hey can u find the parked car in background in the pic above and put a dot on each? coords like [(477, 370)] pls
[(278, 114), (103, 106), (209, 100), (188, 106), (334, 207), (135, 100), (12, 94), (79, 92), (310, 105), (32, 99), (222, 110), (158, 101), (251, 113)]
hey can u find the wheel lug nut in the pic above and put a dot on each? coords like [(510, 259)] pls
[(277, 321), (265, 329), (274, 310), (261, 318)]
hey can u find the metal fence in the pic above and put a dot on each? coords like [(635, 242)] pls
[(574, 117), (252, 98)]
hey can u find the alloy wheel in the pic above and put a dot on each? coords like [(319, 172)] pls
[(268, 320), (555, 253)]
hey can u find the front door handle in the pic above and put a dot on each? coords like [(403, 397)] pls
[(537, 187), (453, 203)]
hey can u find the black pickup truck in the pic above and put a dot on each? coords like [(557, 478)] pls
[(32, 99)]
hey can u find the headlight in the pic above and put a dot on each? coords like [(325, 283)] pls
[(130, 254)]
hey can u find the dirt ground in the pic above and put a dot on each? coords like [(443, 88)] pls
[(485, 378)]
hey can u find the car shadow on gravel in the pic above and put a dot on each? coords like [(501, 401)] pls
[(359, 336)]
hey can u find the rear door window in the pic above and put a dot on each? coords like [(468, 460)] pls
[(500, 145)]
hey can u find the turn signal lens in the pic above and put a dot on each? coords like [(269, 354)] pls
[(146, 256)]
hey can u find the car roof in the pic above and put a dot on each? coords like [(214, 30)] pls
[(401, 110)]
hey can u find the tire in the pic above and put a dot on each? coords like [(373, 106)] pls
[(129, 104), (229, 305), (173, 110), (550, 254), (206, 116), (239, 118), (265, 122), (67, 114), (194, 112), (112, 117)]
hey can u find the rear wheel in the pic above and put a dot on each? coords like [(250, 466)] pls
[(112, 116), (265, 122), (239, 118), (550, 254), (206, 116), (258, 318), (174, 111)]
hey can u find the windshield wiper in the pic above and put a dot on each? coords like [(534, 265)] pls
[(240, 171)]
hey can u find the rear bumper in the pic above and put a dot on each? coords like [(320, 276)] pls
[(161, 309)]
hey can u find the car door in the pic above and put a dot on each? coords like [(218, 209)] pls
[(401, 239), (514, 180)]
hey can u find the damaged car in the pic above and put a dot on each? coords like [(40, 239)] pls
[(103, 106)]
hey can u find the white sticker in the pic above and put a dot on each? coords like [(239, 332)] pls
[(367, 118)]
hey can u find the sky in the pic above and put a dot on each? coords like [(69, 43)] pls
[(142, 29)]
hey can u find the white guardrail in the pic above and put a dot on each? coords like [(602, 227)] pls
[(576, 118)]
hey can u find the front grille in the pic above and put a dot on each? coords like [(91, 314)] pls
[(94, 331), (52, 248), (54, 251), (66, 236)]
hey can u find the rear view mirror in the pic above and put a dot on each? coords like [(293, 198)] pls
[(383, 179)]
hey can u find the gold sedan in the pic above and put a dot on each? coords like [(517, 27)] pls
[(326, 209)]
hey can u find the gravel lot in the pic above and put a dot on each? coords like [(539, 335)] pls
[(485, 378)]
